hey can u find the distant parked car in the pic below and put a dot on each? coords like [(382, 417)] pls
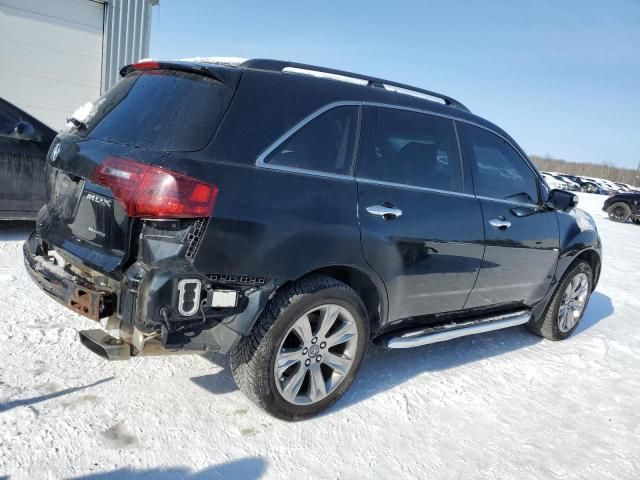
[(609, 185), (572, 185), (24, 143), (560, 177), (623, 187), (623, 206), (554, 182), (594, 185), (587, 185)]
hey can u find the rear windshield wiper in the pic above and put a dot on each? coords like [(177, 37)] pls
[(79, 124)]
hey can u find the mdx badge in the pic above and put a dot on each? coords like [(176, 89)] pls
[(98, 199)]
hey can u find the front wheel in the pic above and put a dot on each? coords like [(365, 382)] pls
[(619, 212), (567, 306), (305, 349)]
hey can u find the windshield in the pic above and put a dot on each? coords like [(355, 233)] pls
[(159, 110)]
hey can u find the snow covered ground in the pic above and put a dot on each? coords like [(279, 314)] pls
[(502, 405)]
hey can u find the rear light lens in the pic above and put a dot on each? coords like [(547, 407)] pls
[(151, 192)]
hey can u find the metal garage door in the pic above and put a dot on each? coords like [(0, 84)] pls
[(50, 55)]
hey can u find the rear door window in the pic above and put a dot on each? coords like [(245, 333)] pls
[(324, 144), (160, 110), (499, 172), (415, 149)]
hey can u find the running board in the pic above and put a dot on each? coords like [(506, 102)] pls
[(442, 333)]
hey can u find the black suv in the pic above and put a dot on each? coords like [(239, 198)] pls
[(623, 206), (286, 214)]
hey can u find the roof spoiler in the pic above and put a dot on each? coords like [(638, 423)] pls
[(220, 73)]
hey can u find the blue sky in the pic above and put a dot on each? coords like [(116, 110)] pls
[(562, 77)]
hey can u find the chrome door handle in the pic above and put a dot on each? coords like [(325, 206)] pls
[(500, 223), (385, 212)]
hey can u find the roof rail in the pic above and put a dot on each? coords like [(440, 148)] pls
[(281, 65)]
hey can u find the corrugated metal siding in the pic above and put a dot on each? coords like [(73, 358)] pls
[(127, 26)]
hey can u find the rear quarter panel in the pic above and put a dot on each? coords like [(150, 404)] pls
[(267, 222), (279, 224)]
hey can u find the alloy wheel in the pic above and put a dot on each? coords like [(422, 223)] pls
[(573, 302), (316, 354), (618, 213)]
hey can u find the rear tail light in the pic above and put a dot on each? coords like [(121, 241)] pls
[(152, 192)]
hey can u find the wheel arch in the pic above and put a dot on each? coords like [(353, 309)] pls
[(370, 289), (592, 257), (621, 200), (594, 260)]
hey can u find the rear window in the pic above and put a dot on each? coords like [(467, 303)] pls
[(160, 110)]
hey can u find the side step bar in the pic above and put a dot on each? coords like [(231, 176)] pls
[(441, 333)]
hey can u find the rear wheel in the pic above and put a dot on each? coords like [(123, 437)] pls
[(567, 306), (305, 349), (619, 212)]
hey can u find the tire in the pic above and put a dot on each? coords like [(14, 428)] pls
[(550, 325), (253, 362), (619, 212)]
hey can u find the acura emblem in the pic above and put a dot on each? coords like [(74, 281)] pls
[(55, 152)]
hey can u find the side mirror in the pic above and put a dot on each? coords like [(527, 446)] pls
[(562, 200), (25, 131)]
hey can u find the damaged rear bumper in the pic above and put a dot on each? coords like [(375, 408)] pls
[(71, 291), (134, 304)]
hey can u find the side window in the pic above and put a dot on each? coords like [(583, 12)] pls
[(498, 170), (325, 144), (413, 149)]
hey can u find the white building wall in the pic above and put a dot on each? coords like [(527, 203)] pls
[(50, 55), (56, 55)]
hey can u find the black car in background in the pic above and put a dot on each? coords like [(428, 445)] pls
[(623, 206), (588, 185), (24, 142), (287, 214)]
